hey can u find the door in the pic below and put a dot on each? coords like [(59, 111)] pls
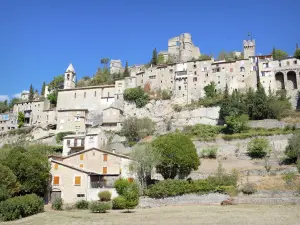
[(55, 195)]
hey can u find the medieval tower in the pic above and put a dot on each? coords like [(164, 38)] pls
[(249, 48), (70, 78)]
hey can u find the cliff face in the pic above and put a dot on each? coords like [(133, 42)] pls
[(163, 114)]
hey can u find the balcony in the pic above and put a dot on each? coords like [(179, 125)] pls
[(78, 143)]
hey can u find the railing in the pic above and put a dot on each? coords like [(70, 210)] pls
[(101, 184)]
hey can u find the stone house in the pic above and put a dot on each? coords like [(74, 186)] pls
[(112, 118), (82, 175), (8, 121)]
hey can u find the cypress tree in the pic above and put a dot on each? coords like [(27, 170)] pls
[(126, 71), (43, 88), (31, 93), (154, 57)]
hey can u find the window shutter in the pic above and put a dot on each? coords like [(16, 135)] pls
[(104, 170), (81, 165), (55, 166), (78, 180), (81, 156), (105, 156), (55, 180)]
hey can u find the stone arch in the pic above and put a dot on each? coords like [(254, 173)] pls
[(292, 80), (279, 77)]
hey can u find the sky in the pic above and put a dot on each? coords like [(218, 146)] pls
[(39, 38)]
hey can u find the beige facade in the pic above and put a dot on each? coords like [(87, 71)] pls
[(83, 174), (72, 120), (8, 121)]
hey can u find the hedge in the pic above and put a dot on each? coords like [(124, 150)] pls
[(21, 206), (169, 188)]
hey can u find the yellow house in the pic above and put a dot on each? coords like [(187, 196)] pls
[(82, 175)]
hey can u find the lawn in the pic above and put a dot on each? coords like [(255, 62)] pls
[(190, 214)]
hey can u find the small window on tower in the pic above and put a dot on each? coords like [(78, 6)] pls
[(68, 76)]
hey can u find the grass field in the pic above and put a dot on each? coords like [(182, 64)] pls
[(191, 214)]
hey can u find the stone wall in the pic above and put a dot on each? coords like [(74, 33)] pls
[(270, 123), (163, 114)]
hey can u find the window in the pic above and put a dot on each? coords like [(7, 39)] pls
[(179, 88), (77, 181), (108, 94), (104, 170), (56, 180), (81, 155), (80, 195), (242, 69), (195, 79), (287, 63), (68, 142), (279, 64), (68, 76), (295, 61), (195, 73), (195, 66), (74, 95), (105, 157), (81, 165), (84, 94), (55, 166), (95, 93)]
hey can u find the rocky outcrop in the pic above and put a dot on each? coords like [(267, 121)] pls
[(165, 117)]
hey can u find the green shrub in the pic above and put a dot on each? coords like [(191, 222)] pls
[(210, 153), (104, 196), (136, 95), (236, 124), (202, 132), (255, 133), (21, 206), (119, 203), (292, 151), (57, 204), (82, 204), (131, 196), (99, 207), (289, 177), (258, 148), (177, 108), (60, 136), (121, 185), (166, 94), (249, 189)]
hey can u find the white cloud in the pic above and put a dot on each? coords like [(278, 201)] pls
[(3, 98)]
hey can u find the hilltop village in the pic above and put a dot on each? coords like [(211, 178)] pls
[(87, 115)]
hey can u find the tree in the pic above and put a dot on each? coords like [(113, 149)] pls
[(135, 129), (260, 104), (104, 61), (9, 184), (225, 109), (136, 95), (210, 90), (144, 159), (297, 53), (43, 88), (178, 155), (126, 71), (31, 169), (278, 54), (57, 83), (160, 59), (21, 119), (52, 97), (31, 93), (293, 148), (154, 57), (236, 124), (3, 107), (205, 57), (258, 148)]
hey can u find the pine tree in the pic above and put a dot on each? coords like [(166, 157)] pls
[(126, 71), (154, 57), (43, 88), (31, 93), (260, 104)]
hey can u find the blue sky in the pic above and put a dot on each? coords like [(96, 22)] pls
[(40, 38)]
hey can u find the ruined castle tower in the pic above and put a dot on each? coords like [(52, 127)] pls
[(249, 48), (70, 77)]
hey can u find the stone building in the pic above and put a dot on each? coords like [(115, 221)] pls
[(116, 66), (8, 121)]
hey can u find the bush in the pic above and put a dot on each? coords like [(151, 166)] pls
[(82, 204), (131, 196), (136, 95), (60, 136), (121, 185), (165, 95), (292, 151), (249, 189), (177, 108), (289, 177), (21, 206), (99, 207), (57, 204), (202, 132), (236, 124), (104, 196), (258, 148), (119, 203), (210, 153)]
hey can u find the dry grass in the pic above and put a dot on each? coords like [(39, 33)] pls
[(292, 117), (277, 183), (191, 214)]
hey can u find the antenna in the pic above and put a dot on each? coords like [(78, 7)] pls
[(250, 35)]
